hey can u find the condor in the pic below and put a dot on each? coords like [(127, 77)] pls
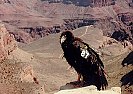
[(84, 60)]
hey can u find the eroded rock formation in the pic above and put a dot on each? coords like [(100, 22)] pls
[(31, 20), (7, 42), (92, 3), (16, 72)]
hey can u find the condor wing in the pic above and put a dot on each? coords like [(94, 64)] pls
[(90, 56)]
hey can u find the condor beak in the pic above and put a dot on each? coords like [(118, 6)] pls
[(63, 38)]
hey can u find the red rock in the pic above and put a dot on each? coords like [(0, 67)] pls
[(7, 43)]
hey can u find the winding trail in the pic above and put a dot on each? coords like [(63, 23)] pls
[(85, 32)]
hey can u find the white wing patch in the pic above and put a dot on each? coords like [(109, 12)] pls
[(85, 53)]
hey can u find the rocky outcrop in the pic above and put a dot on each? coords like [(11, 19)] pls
[(101, 3), (130, 2), (22, 37), (7, 42), (29, 34), (18, 78), (90, 90), (5, 1), (16, 72), (120, 27), (126, 18)]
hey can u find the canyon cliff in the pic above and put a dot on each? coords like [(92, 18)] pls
[(29, 21), (7, 42)]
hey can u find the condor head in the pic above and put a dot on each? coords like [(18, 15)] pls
[(66, 36)]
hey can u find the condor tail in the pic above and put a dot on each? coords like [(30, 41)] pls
[(103, 80)]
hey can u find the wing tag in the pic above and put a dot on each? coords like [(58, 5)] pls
[(85, 53)]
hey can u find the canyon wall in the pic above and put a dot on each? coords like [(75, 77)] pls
[(31, 20), (16, 71), (7, 42), (92, 3)]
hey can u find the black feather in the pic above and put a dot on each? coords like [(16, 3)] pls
[(84, 60)]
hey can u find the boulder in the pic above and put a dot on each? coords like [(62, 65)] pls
[(90, 90)]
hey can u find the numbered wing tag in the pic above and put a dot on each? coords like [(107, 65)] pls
[(85, 54)]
